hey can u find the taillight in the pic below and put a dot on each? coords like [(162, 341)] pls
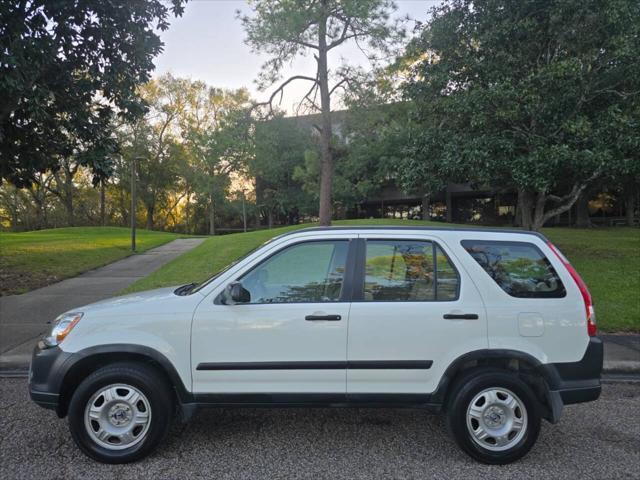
[(586, 296)]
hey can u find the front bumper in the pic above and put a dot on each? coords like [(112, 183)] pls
[(46, 374)]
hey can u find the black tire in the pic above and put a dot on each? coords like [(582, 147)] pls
[(143, 378), (463, 393)]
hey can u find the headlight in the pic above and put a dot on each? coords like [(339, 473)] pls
[(61, 328)]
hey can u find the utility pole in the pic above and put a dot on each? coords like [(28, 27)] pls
[(133, 204)]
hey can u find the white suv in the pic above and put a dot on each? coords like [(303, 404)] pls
[(494, 328)]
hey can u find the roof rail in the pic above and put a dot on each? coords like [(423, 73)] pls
[(421, 228)]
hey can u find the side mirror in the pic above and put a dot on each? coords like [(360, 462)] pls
[(238, 293)]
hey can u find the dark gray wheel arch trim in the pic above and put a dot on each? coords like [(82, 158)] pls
[(52, 368), (564, 383)]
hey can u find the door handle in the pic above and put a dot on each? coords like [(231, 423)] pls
[(315, 318), (460, 316)]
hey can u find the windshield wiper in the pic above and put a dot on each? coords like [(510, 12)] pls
[(185, 289)]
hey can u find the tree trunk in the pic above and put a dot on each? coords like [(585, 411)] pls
[(212, 213), (68, 206), (103, 218), (186, 211), (40, 210), (244, 212), (326, 160), (629, 206), (69, 173), (40, 222), (525, 207), (259, 191), (425, 207), (582, 211), (539, 217), (14, 210), (534, 210), (150, 222), (449, 202)]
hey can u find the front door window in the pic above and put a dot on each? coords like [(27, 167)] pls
[(310, 272)]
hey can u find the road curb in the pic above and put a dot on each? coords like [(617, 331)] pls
[(13, 373), (622, 366)]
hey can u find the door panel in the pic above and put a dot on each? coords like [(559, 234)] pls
[(407, 286), (239, 334), (292, 339)]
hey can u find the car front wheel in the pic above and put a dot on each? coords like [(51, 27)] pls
[(494, 416), (119, 413)]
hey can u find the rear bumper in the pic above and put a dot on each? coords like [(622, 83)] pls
[(45, 399), (580, 394), (578, 382)]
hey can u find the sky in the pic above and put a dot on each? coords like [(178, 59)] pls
[(207, 43)]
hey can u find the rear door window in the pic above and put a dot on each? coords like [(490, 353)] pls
[(408, 271), (519, 268)]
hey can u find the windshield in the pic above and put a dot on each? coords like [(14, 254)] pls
[(208, 281), (235, 262)]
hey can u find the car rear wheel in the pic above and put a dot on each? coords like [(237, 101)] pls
[(119, 413), (494, 416)]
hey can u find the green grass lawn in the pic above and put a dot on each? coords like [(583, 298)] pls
[(607, 258), (30, 260)]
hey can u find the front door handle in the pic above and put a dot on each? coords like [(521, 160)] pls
[(460, 316), (315, 318)]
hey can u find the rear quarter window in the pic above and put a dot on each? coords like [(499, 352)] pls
[(519, 268)]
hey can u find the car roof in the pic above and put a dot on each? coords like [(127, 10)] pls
[(416, 228)]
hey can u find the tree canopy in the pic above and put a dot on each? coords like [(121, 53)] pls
[(525, 94), (66, 68), (284, 29)]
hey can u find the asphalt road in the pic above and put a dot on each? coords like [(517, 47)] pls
[(597, 440)]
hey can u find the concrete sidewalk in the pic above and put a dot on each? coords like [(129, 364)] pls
[(23, 318), (621, 353)]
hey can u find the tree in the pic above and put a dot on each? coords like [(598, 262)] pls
[(66, 68), (523, 94), (153, 142), (624, 171), (377, 129), (63, 186), (215, 129), (280, 146), (38, 191), (285, 29)]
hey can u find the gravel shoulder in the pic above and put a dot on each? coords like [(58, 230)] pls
[(596, 440)]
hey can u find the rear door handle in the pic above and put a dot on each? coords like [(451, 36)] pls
[(460, 316), (315, 318)]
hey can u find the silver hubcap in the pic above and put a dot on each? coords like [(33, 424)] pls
[(117, 416), (496, 419)]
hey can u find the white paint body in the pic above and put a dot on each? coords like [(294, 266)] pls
[(192, 329)]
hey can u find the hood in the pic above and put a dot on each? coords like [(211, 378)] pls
[(161, 300)]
